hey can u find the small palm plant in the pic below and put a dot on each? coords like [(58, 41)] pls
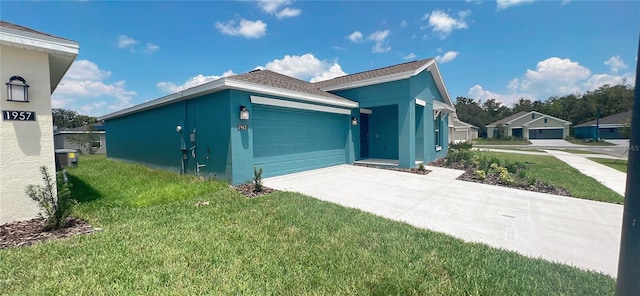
[(257, 180)]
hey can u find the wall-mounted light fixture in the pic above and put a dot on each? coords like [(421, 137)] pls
[(178, 128), (354, 121), (17, 89), (244, 113)]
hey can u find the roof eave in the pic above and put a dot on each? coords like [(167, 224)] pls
[(228, 83)]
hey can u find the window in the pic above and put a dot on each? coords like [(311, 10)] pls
[(437, 125), (533, 115), (545, 120)]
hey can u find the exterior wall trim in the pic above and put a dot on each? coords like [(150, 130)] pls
[(297, 105)]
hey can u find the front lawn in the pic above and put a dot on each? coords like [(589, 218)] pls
[(589, 142), (618, 164), (156, 241), (490, 141)]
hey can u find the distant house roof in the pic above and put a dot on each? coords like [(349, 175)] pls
[(272, 83), (62, 52), (510, 118), (615, 119), (97, 128), (461, 124)]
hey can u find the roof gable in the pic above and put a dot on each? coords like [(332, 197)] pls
[(509, 118), (548, 117)]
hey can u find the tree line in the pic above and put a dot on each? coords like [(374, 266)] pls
[(576, 108)]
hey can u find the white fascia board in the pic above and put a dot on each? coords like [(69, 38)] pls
[(269, 90), (440, 106), (28, 40), (202, 89), (421, 102), (297, 105), (378, 80), (228, 83), (366, 111), (546, 128), (544, 116), (435, 72)]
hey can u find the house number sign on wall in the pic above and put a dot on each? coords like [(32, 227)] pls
[(18, 115), (243, 127)]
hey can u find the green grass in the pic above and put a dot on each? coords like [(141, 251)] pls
[(589, 142), (577, 151), (480, 141), (156, 242), (618, 164), (555, 172), (516, 149)]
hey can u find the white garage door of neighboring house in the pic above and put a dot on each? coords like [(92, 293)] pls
[(287, 140), (540, 134), (460, 135)]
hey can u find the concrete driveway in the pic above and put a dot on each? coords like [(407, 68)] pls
[(552, 143), (572, 231)]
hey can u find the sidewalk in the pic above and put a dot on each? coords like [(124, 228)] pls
[(612, 178)]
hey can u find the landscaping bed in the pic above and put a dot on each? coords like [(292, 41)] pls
[(418, 170), (481, 168), (28, 232)]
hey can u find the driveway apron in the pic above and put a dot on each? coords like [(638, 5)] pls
[(572, 231)]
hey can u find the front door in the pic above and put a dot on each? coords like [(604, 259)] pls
[(364, 135)]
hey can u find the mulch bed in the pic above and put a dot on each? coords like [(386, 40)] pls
[(247, 190), (28, 232), (469, 175), (406, 170)]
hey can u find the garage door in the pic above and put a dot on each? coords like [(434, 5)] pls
[(289, 140), (545, 134)]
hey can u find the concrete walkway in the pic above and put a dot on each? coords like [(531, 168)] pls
[(612, 178), (577, 232)]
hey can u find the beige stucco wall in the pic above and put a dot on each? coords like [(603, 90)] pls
[(551, 123), (25, 145)]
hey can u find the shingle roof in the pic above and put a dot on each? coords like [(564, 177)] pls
[(618, 118), (273, 79), (9, 25), (371, 74), (507, 119)]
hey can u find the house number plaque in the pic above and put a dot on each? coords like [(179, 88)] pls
[(243, 127), (18, 115)]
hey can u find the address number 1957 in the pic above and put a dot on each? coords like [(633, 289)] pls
[(18, 115)]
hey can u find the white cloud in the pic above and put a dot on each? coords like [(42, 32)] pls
[(246, 28), (552, 77), (403, 23), (84, 88), (615, 64), (379, 37), (410, 56), (273, 7), (150, 47), (170, 87), (447, 57), (443, 24), (504, 4), (127, 42), (124, 41), (356, 36), (305, 67)]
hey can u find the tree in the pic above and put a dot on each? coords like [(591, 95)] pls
[(87, 140), (625, 130), (63, 118)]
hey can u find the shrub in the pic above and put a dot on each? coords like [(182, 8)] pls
[(511, 167), (466, 145), (522, 174), (459, 156), (257, 180), (57, 205), (480, 174), (421, 167)]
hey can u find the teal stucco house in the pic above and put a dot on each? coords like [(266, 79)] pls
[(262, 119)]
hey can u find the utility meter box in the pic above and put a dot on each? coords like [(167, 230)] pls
[(65, 158)]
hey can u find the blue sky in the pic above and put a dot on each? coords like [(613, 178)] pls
[(132, 52)]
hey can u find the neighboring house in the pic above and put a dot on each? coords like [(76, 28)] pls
[(32, 65), (262, 119), (78, 138), (609, 127), (460, 131), (530, 125)]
